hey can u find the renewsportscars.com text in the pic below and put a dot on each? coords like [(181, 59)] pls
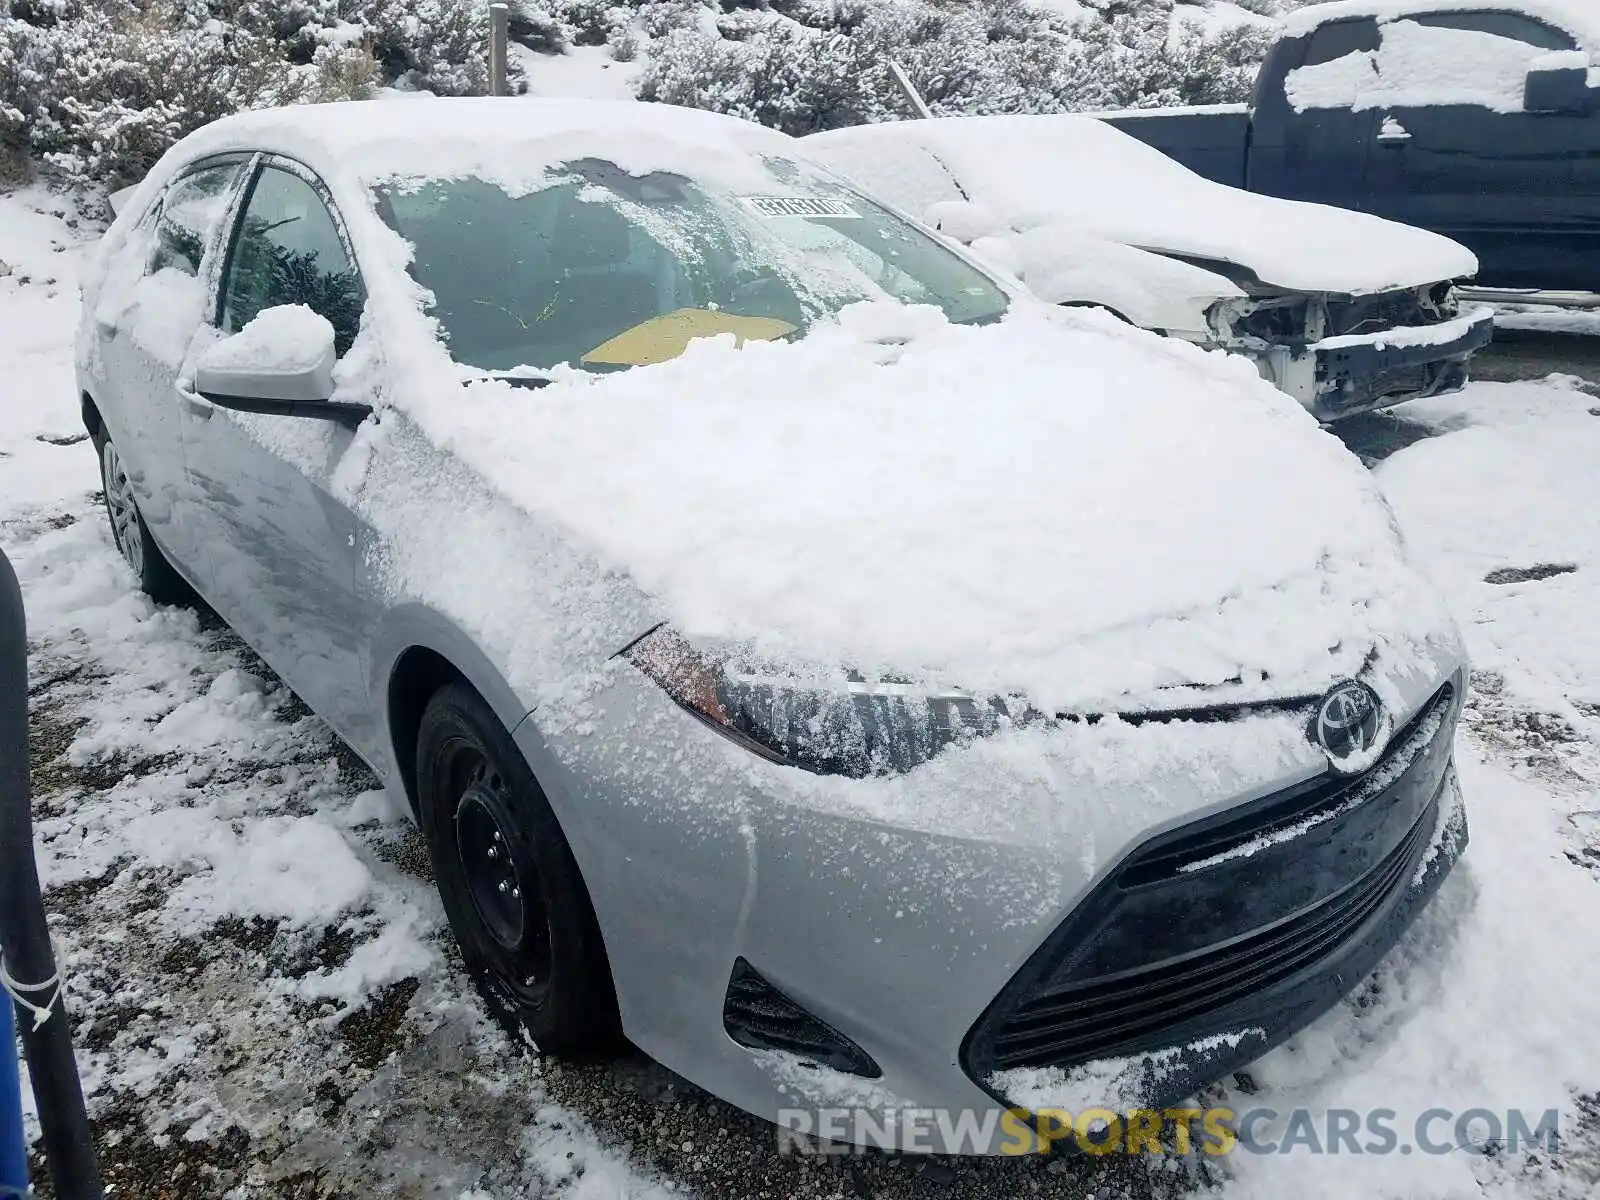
[(1212, 1131)]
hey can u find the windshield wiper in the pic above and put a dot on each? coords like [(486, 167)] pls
[(524, 381)]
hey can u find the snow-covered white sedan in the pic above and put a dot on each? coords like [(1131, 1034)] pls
[(1344, 311), (854, 680)]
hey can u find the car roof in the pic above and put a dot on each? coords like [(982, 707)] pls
[(426, 135), (1578, 17)]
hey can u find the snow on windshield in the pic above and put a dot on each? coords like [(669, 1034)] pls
[(1419, 65), (602, 268)]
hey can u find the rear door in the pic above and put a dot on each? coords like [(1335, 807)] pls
[(1460, 155), (283, 548), (149, 308), (1311, 137)]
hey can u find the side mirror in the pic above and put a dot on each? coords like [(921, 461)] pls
[(1559, 83), (281, 363)]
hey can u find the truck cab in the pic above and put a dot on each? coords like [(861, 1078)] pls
[(1480, 121)]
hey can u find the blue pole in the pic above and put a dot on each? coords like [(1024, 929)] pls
[(13, 1149)]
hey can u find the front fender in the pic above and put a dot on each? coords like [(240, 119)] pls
[(411, 627)]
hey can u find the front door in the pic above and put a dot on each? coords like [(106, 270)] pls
[(1310, 134), (282, 547), (145, 316), (1460, 155)]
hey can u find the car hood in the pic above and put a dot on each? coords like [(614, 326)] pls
[(1043, 170), (1057, 505), (1062, 266)]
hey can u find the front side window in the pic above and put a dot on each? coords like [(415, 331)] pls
[(603, 269), (1339, 39), (188, 216), (287, 250)]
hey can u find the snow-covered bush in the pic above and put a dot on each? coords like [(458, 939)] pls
[(100, 91), (433, 45), (804, 65)]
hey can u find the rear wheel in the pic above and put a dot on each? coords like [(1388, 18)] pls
[(511, 888), (155, 575)]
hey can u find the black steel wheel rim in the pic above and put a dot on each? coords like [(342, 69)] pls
[(494, 847)]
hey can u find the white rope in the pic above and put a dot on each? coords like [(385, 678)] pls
[(41, 1012)]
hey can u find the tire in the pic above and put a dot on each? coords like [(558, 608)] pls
[(512, 891), (155, 575)]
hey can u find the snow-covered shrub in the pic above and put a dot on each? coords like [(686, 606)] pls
[(536, 27), (780, 74), (658, 18), (625, 43), (804, 65), (434, 45), (98, 89), (591, 22), (100, 92)]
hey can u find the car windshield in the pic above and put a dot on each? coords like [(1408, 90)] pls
[(604, 270)]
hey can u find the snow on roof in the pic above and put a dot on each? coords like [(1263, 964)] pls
[(481, 135), (1032, 171), (1579, 17)]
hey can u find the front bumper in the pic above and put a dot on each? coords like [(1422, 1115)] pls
[(1341, 376), (703, 862), (1360, 373)]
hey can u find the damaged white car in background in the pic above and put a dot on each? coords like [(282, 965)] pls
[(1344, 311)]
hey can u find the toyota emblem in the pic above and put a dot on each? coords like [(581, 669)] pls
[(1350, 726)]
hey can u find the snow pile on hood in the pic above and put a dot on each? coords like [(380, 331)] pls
[(1062, 266), (1053, 505), (1057, 169)]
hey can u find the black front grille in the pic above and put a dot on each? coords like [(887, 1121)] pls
[(1322, 800), (1185, 937), (1081, 1023)]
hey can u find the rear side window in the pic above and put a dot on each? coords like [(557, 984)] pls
[(189, 214), (1514, 26), (1338, 39), (287, 250)]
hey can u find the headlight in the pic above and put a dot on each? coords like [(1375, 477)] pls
[(1278, 322), (845, 725)]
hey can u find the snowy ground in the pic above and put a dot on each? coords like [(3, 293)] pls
[(267, 1005)]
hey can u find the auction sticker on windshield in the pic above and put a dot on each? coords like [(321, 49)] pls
[(799, 206)]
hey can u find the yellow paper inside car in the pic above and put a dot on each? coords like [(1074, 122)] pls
[(667, 336)]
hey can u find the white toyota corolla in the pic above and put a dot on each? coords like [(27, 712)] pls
[(848, 677)]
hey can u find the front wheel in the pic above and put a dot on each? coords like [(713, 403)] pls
[(155, 575), (511, 887)]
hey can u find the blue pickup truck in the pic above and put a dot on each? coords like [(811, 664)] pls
[(1477, 119)]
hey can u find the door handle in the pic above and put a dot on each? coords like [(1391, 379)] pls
[(1393, 133), (198, 408)]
